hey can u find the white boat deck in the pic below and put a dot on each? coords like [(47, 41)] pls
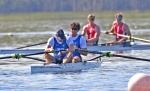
[(68, 67)]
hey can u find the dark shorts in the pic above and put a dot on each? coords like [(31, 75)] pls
[(57, 61), (125, 43), (95, 43)]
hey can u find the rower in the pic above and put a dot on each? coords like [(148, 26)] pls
[(79, 42), (119, 27), (57, 43), (92, 31)]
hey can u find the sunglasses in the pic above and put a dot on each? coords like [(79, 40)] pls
[(74, 29)]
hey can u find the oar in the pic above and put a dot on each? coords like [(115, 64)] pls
[(35, 58), (95, 58), (104, 44), (18, 56), (135, 38), (131, 37), (109, 54), (31, 45)]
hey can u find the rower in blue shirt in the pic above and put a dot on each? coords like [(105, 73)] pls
[(57, 43), (79, 42)]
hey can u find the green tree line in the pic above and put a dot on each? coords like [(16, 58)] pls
[(15, 6)]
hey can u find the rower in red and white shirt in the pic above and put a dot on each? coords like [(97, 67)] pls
[(92, 31), (118, 27)]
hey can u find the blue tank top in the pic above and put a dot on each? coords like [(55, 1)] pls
[(58, 47), (77, 44)]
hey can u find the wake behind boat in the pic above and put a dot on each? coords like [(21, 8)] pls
[(132, 46), (67, 67)]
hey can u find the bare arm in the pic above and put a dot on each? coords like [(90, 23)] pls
[(71, 48), (84, 30), (82, 52), (49, 49), (127, 30), (111, 30), (49, 46)]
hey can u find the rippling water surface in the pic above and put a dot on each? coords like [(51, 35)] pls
[(113, 75)]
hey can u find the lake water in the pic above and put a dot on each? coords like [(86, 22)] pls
[(113, 75)]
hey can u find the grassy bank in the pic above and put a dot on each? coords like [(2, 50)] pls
[(72, 15)]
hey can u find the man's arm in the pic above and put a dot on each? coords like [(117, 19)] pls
[(71, 48), (127, 30), (83, 46), (84, 30), (70, 44), (111, 30), (83, 52), (49, 46), (49, 49)]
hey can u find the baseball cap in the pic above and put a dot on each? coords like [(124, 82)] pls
[(60, 33)]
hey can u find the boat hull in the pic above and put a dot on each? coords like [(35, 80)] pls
[(136, 46), (68, 67)]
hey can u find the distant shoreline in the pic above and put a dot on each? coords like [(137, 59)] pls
[(71, 15)]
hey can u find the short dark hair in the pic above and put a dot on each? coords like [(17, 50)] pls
[(60, 33), (75, 26)]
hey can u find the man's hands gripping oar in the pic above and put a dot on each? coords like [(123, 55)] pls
[(109, 54)]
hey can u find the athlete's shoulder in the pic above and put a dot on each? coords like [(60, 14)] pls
[(97, 26), (51, 38), (85, 26), (68, 37), (81, 37), (114, 22), (124, 23)]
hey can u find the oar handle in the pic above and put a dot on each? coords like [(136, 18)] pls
[(129, 37), (135, 38)]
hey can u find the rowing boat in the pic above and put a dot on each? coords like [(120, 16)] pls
[(135, 46), (132, 46), (20, 51), (67, 67)]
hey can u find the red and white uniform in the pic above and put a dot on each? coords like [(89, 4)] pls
[(91, 31), (118, 29)]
